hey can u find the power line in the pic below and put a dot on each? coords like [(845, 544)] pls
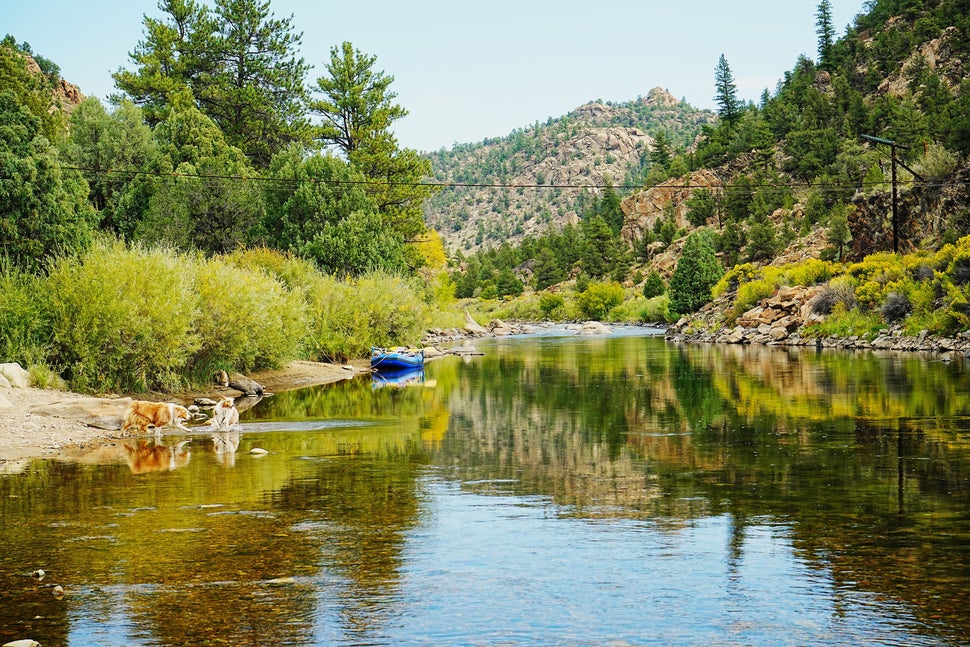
[(824, 186)]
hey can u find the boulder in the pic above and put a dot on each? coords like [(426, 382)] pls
[(15, 374), (472, 326), (248, 386), (594, 328)]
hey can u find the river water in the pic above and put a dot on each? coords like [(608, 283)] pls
[(557, 490)]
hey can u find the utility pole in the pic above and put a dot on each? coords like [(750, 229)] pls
[(892, 154)]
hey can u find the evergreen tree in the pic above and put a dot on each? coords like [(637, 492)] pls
[(240, 64), (839, 235), (654, 285), (762, 240), (207, 205), (696, 273), (358, 111), (661, 154), (825, 32), (548, 270), (314, 191), (608, 208), (255, 92), (356, 245), (602, 252), (701, 207), (33, 91), (102, 142), (726, 92), (171, 56), (732, 241)]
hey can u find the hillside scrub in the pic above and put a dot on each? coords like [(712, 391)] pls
[(922, 291), (129, 319)]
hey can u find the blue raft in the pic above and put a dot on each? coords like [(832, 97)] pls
[(395, 359)]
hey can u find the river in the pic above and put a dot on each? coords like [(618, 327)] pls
[(556, 490)]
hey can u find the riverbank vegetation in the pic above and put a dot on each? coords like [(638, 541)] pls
[(129, 318)]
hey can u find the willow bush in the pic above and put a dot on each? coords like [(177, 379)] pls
[(376, 309), (248, 319), (123, 318), (25, 328)]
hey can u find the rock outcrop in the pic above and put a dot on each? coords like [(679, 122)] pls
[(780, 320)]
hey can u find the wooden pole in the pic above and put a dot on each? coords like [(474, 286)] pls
[(895, 202)]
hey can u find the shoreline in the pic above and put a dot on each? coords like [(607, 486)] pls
[(47, 423)]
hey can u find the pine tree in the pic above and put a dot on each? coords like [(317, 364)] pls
[(726, 92), (839, 235), (358, 111), (825, 31), (696, 273)]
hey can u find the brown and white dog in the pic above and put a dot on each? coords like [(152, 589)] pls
[(142, 414), (225, 415)]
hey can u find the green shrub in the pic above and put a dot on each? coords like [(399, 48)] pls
[(848, 323), (733, 278), (25, 326), (248, 318), (809, 272), (376, 309), (598, 299), (549, 303), (752, 292), (656, 310), (642, 310), (122, 318), (526, 307)]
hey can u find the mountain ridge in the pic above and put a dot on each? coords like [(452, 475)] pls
[(547, 174)]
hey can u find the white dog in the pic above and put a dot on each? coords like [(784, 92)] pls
[(225, 415)]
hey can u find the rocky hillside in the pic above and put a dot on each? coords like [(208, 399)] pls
[(547, 174), (797, 175)]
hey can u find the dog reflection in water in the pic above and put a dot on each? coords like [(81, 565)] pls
[(225, 444), (151, 456)]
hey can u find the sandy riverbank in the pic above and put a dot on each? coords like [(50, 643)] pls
[(45, 423)]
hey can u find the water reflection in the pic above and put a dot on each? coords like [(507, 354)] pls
[(153, 455), (742, 495)]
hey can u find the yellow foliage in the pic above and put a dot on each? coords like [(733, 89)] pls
[(734, 277), (869, 294), (432, 250)]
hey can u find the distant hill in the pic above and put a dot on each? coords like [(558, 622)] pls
[(595, 145)]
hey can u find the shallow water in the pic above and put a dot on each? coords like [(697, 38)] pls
[(556, 491)]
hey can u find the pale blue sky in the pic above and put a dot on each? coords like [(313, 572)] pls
[(466, 70)]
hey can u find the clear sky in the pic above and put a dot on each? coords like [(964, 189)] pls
[(470, 69)]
